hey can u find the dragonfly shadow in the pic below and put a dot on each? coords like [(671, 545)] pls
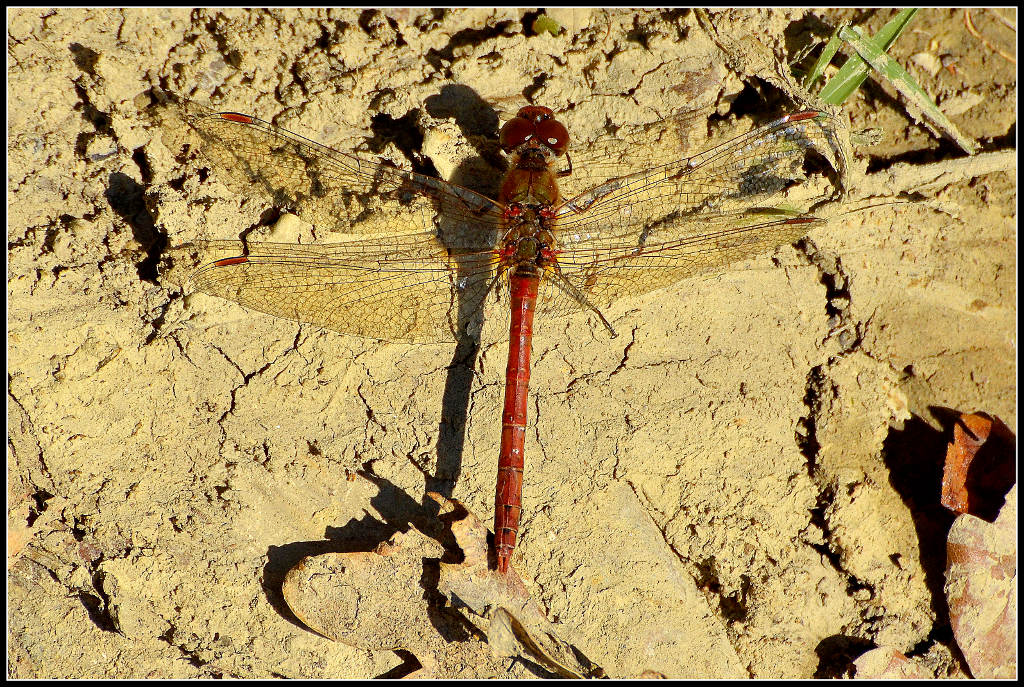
[(478, 122), (473, 115), (459, 381), (451, 438), (395, 511), (127, 198)]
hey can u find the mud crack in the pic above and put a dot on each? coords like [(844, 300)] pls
[(833, 277)]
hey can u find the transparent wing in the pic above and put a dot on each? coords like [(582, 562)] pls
[(631, 148), (394, 288), (639, 232), (748, 171), (419, 273), (605, 274), (332, 190)]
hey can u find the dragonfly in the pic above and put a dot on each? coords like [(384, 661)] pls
[(416, 257)]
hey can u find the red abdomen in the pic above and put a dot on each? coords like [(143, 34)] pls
[(508, 495)]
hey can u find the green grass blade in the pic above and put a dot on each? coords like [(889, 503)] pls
[(916, 97), (871, 54), (818, 70), (852, 74)]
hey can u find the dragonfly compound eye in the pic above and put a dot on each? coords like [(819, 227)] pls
[(554, 135), (515, 133)]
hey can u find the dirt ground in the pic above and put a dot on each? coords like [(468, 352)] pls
[(744, 483)]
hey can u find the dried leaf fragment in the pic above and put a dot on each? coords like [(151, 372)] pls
[(888, 663), (979, 467), (368, 599), (981, 588), (518, 626)]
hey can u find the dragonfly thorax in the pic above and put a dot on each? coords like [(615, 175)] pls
[(528, 219), (527, 245), (527, 187)]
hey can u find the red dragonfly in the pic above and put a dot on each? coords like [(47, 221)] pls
[(419, 255)]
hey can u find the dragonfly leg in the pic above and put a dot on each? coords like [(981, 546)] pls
[(568, 170), (581, 298), (494, 282)]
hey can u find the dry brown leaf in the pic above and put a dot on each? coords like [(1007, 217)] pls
[(517, 625), (981, 587), (979, 466), (885, 663)]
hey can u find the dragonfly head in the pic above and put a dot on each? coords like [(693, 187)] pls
[(534, 130)]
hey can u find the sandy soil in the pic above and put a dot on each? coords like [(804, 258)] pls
[(744, 483)]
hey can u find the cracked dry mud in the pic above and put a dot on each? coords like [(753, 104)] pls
[(754, 462)]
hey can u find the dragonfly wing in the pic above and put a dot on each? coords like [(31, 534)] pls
[(630, 148), (332, 190), (672, 252), (748, 171), (393, 288), (636, 233)]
